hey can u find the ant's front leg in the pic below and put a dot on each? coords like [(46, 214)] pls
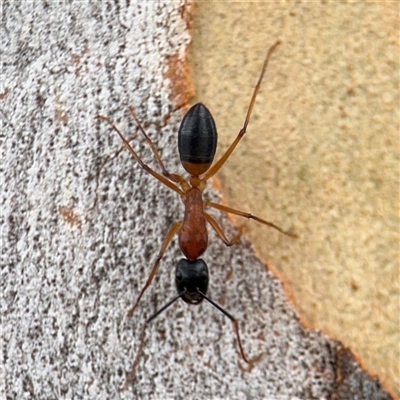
[(175, 228)]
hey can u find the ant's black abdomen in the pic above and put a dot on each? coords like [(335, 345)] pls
[(197, 140)]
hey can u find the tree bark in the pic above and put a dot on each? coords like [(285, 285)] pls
[(83, 224)]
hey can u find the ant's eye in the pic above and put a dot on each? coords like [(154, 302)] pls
[(204, 276), (179, 276)]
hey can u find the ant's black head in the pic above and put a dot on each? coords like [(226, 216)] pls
[(190, 278)]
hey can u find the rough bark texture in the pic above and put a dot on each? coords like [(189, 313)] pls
[(70, 271)]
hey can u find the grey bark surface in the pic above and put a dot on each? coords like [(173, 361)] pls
[(70, 271)]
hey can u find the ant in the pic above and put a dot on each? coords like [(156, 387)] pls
[(197, 142)]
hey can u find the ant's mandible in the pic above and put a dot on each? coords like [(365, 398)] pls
[(197, 142)]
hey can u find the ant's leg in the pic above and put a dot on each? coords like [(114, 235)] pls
[(156, 175), (173, 177), (175, 228), (216, 167), (218, 230), (247, 215)]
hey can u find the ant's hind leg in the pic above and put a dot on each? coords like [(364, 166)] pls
[(156, 175), (173, 177), (175, 228), (217, 166)]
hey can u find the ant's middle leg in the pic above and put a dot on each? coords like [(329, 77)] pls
[(216, 167), (175, 228), (218, 230), (248, 216)]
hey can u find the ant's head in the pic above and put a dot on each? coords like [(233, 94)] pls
[(190, 278)]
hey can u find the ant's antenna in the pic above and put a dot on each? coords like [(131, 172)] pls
[(141, 342), (235, 328), (162, 309)]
